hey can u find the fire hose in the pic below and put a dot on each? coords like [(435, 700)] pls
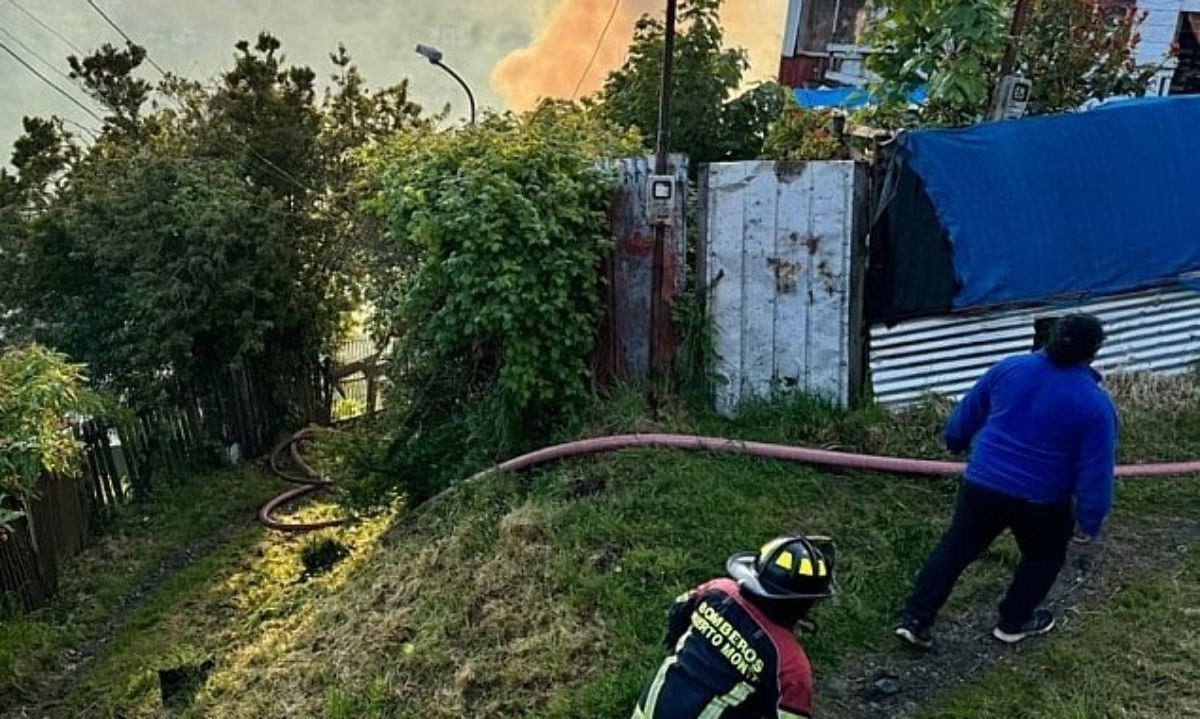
[(310, 481)]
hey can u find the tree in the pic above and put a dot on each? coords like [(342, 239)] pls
[(156, 270), (107, 74), (1081, 50), (1073, 50), (705, 124), (953, 47), (265, 113), (220, 230), (41, 157), (353, 118)]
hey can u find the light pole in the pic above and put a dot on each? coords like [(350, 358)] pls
[(434, 56)]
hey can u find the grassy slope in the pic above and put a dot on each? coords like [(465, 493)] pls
[(545, 595), (540, 595), (95, 583), (549, 599)]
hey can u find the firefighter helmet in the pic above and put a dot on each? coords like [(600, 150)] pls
[(795, 567)]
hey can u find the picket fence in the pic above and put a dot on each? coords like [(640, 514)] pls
[(237, 417)]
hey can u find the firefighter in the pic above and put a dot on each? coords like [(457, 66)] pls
[(732, 641)]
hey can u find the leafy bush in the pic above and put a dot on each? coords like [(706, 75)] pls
[(157, 269), (506, 224), (1079, 51), (804, 134), (39, 389), (951, 46), (354, 459)]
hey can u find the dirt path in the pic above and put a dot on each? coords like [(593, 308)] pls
[(79, 660), (901, 683)]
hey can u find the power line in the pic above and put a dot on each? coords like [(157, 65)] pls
[(47, 27), (285, 175), (50, 82), (282, 173), (254, 154), (37, 56), (279, 171), (128, 39), (90, 131), (596, 52)]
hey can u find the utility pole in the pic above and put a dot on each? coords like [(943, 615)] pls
[(1011, 96), (1016, 31), (662, 167)]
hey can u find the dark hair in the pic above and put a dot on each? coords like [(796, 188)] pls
[(1075, 340)]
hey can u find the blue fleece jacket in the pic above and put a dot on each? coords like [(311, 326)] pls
[(1041, 432)]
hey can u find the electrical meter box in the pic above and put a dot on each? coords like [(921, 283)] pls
[(661, 200), (1012, 98)]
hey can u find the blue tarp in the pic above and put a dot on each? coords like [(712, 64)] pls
[(845, 98), (1086, 204)]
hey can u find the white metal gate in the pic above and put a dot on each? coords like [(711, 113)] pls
[(782, 256)]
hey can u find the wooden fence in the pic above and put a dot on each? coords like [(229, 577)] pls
[(358, 377), (238, 416)]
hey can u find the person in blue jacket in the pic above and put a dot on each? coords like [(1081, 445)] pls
[(1042, 432)]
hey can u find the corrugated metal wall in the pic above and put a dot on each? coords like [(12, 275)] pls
[(1150, 331), (782, 259)]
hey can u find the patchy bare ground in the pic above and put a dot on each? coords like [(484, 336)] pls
[(902, 683)]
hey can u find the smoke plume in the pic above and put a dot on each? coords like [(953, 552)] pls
[(553, 63)]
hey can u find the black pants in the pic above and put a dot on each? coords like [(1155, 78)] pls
[(1042, 531)]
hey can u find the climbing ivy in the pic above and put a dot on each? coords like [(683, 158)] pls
[(505, 226)]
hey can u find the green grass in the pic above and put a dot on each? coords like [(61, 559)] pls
[(546, 595), (229, 607), (94, 584), (1138, 656), (668, 522)]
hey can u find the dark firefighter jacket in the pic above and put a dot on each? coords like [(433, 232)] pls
[(728, 661)]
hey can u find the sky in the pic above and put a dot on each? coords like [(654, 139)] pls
[(511, 51)]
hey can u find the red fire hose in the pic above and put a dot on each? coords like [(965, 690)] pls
[(601, 445), (309, 480)]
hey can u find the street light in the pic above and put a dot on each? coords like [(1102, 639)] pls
[(434, 56)]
